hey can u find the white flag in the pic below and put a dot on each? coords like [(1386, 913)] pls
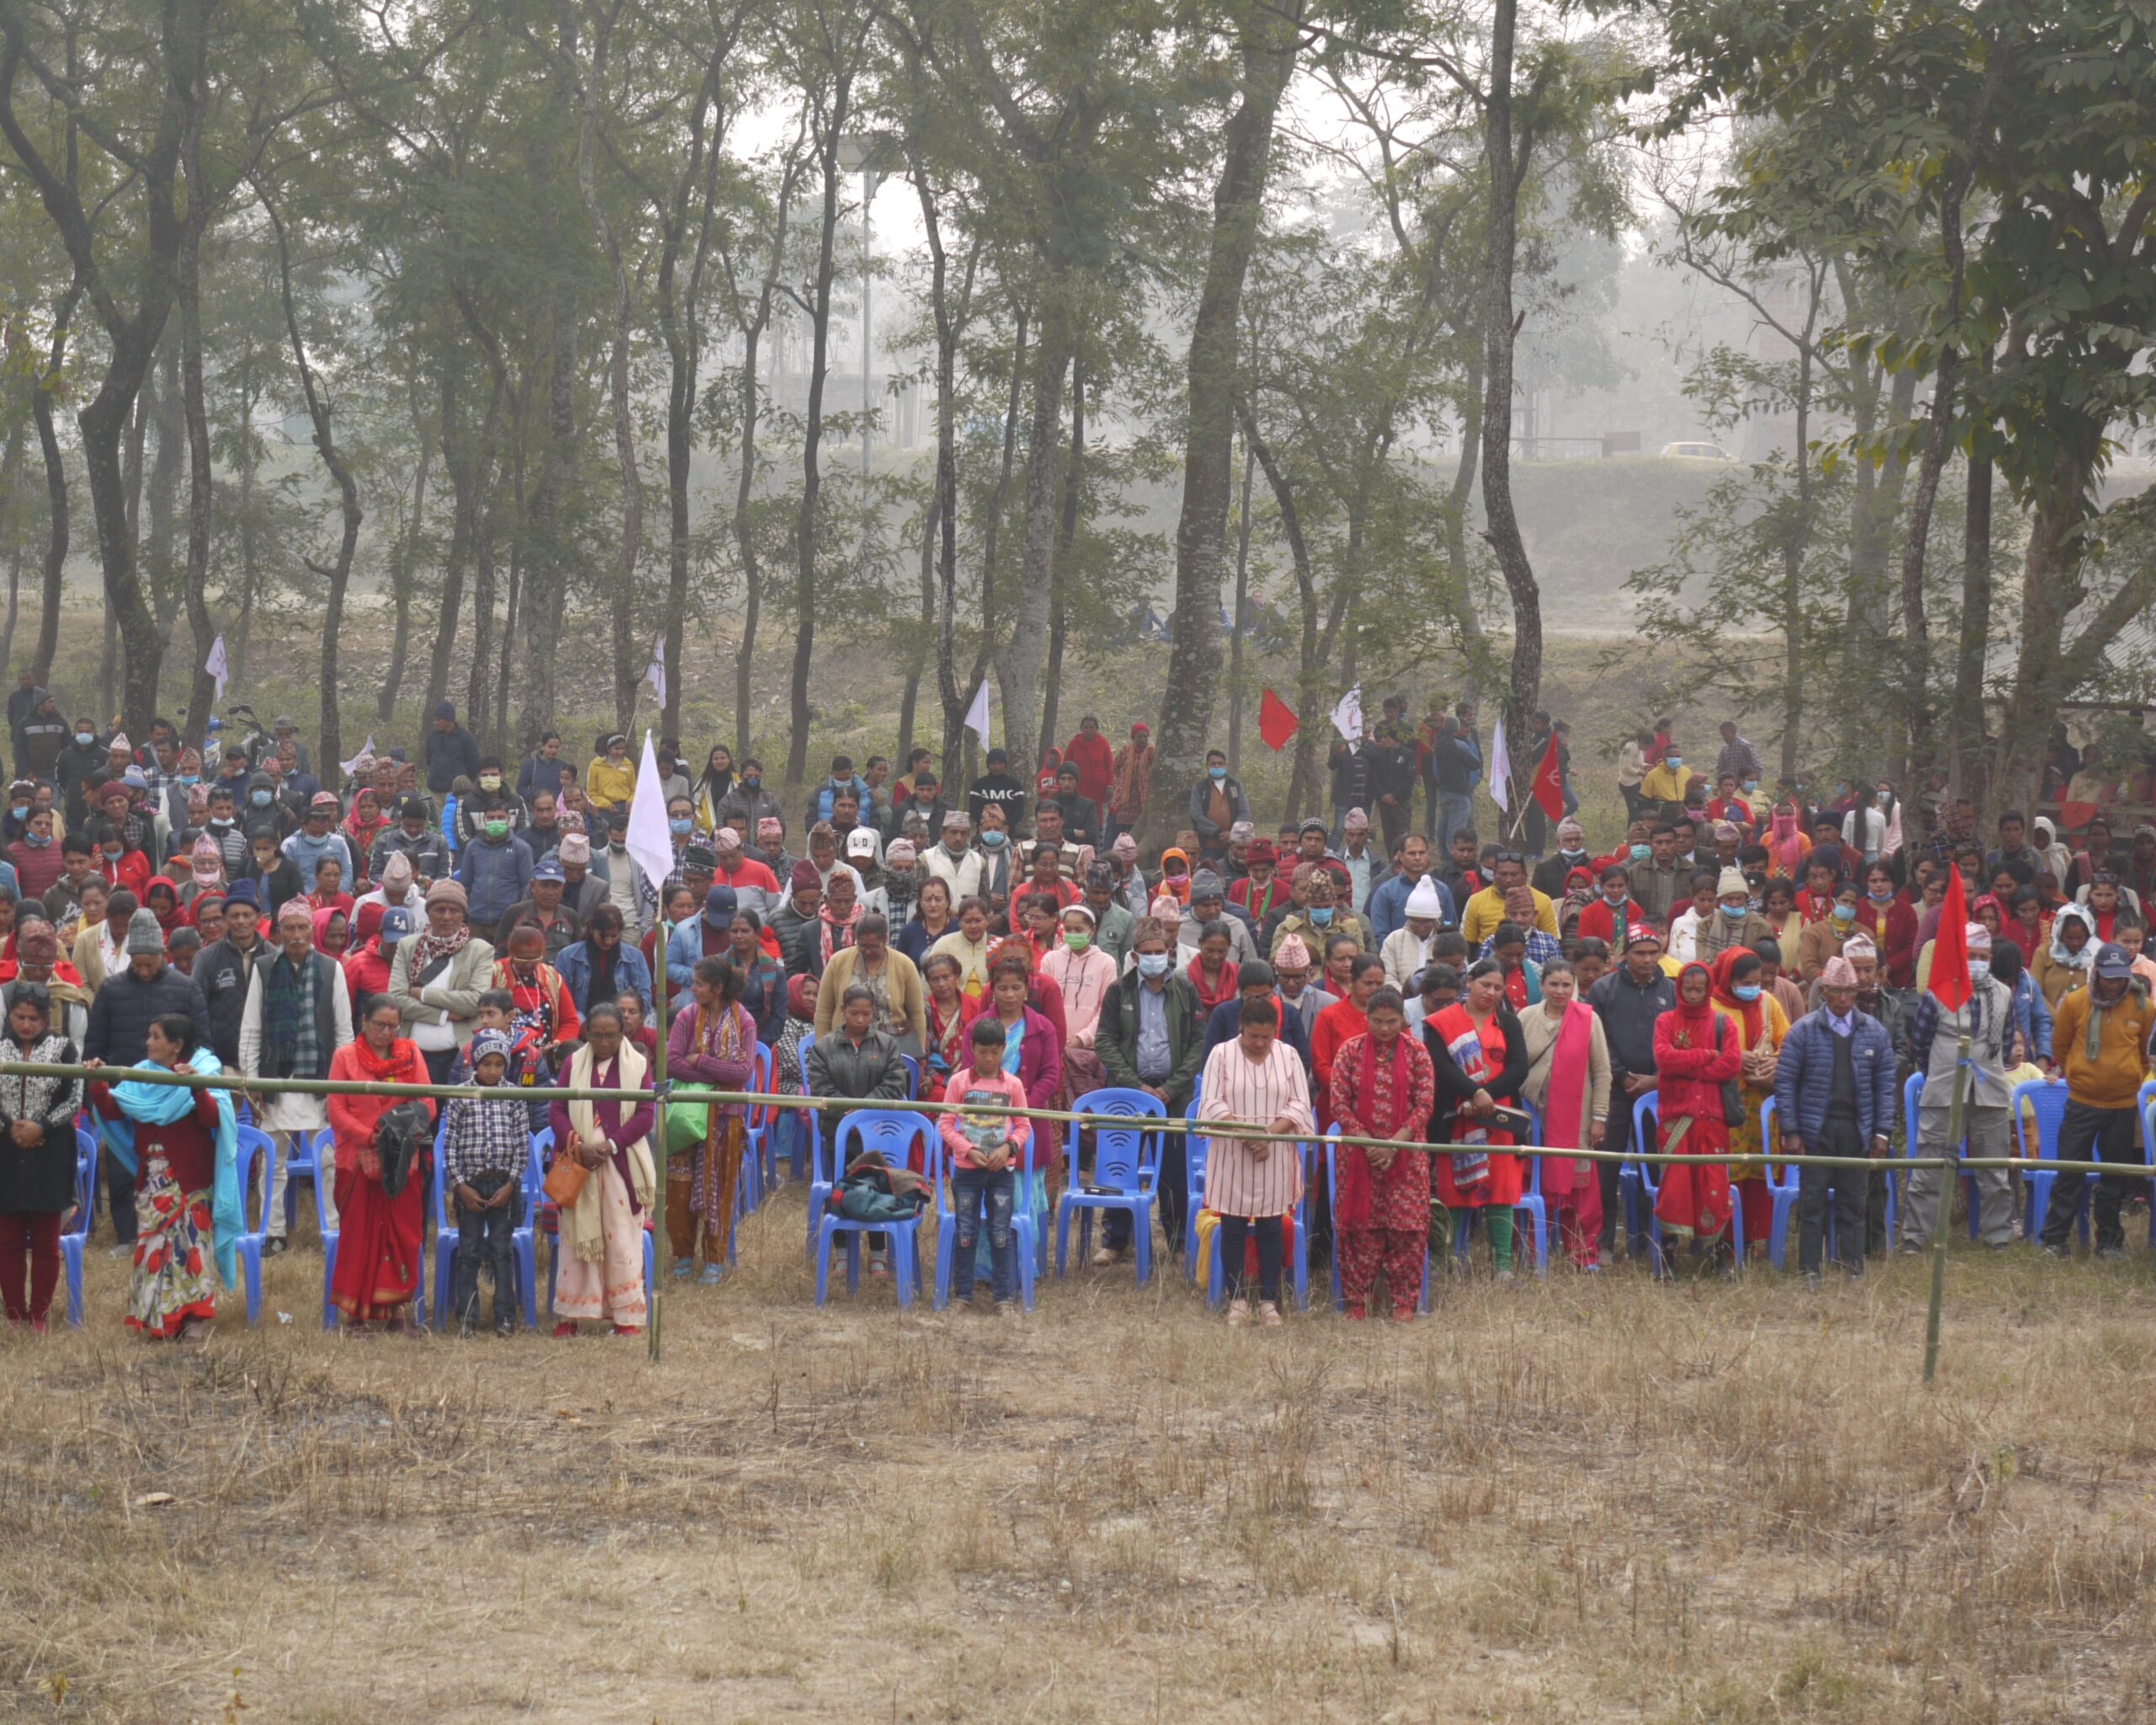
[(217, 666), (655, 672), (650, 845), (366, 749), (1501, 768), (1347, 716), (977, 714)]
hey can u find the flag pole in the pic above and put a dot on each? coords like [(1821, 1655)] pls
[(1946, 1203), (658, 1203)]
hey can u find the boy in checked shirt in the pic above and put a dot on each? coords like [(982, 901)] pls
[(485, 1147)]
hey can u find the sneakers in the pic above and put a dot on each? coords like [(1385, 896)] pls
[(2059, 1250), (2110, 1254), (1812, 1281), (712, 1272), (504, 1327), (276, 1245), (684, 1267)]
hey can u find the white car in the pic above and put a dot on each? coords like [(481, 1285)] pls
[(1697, 452)]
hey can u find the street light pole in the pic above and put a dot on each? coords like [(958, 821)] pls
[(867, 196)]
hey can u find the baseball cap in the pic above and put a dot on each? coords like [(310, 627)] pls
[(861, 842), (2113, 961), (323, 799), (549, 869), (396, 924)]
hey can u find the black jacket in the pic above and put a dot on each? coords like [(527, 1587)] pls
[(997, 788), (1350, 765), (1628, 1014), (222, 972), (1392, 772), (449, 754), (121, 1015)]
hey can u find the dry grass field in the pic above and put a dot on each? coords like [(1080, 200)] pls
[(1582, 1500)]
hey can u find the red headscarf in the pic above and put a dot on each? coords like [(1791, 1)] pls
[(1751, 1013), (172, 916)]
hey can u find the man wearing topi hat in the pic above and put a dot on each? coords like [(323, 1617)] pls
[(1834, 1093), (1987, 1019)]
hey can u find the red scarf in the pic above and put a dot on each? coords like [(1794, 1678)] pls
[(1209, 998)]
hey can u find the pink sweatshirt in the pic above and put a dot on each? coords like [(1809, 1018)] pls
[(1002, 1088)]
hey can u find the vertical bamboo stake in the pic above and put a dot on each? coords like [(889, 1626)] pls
[(659, 1084), (1948, 1174)]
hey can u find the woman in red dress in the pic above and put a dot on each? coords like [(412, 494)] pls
[(381, 1237), (1383, 1086), (1695, 1054), (1479, 1058)]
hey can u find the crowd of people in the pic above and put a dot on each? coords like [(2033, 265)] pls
[(441, 917)]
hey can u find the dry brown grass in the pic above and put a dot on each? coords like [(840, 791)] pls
[(1582, 1501)]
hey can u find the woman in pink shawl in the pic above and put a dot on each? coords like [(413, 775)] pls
[(1568, 1080), (1786, 840)]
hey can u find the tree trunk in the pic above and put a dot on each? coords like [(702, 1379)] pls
[(1795, 544), (1241, 620), (513, 611), (955, 738), (161, 403), (951, 320), (1507, 165), (249, 570), (479, 688), (808, 531), (909, 699), (1966, 714), (11, 476), (52, 586), (451, 599), (1018, 666), (547, 561), (1065, 535), (202, 687), (745, 545), (400, 580), (135, 627), (2049, 594), (1474, 644), (338, 574), (1269, 58)]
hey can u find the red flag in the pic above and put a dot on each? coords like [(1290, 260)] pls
[(1276, 722), (1950, 948), (1549, 787)]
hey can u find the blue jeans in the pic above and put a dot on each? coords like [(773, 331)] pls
[(972, 1191), (1455, 814)]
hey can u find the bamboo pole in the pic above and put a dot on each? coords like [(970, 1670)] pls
[(1945, 1204), (1202, 1129), (661, 1268)]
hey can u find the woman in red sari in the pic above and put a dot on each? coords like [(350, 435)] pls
[(1479, 1057), (1695, 1052), (1383, 1086), (381, 1237)]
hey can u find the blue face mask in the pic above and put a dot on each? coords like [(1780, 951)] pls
[(994, 838), (1641, 852), (1846, 913), (1216, 773), (1320, 915), (1737, 913), (1152, 965), (1675, 761), (679, 824), (189, 778), (1745, 990), (21, 813), (86, 738), (259, 798), (1751, 787), (36, 843)]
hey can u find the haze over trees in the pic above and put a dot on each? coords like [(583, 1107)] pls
[(515, 273)]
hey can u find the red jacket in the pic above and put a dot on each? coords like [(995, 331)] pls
[(1096, 763), (1596, 923), (1893, 931), (131, 870)]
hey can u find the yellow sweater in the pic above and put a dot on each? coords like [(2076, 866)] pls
[(2113, 1078), (605, 783)]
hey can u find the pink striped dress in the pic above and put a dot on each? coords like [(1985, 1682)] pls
[(1254, 1177)]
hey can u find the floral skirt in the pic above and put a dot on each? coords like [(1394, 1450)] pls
[(175, 1270)]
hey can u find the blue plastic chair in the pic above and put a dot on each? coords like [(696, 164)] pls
[(448, 1241), (1197, 1147), (1027, 1234), (75, 1236), (2048, 1100), (1299, 1260), (254, 1147), (892, 1135), (317, 1161), (1530, 1200), (913, 1077), (1332, 1210), (1126, 1167), (1646, 1133), (2144, 1099)]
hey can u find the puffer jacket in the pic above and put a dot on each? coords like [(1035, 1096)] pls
[(124, 1006), (1804, 1079)]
